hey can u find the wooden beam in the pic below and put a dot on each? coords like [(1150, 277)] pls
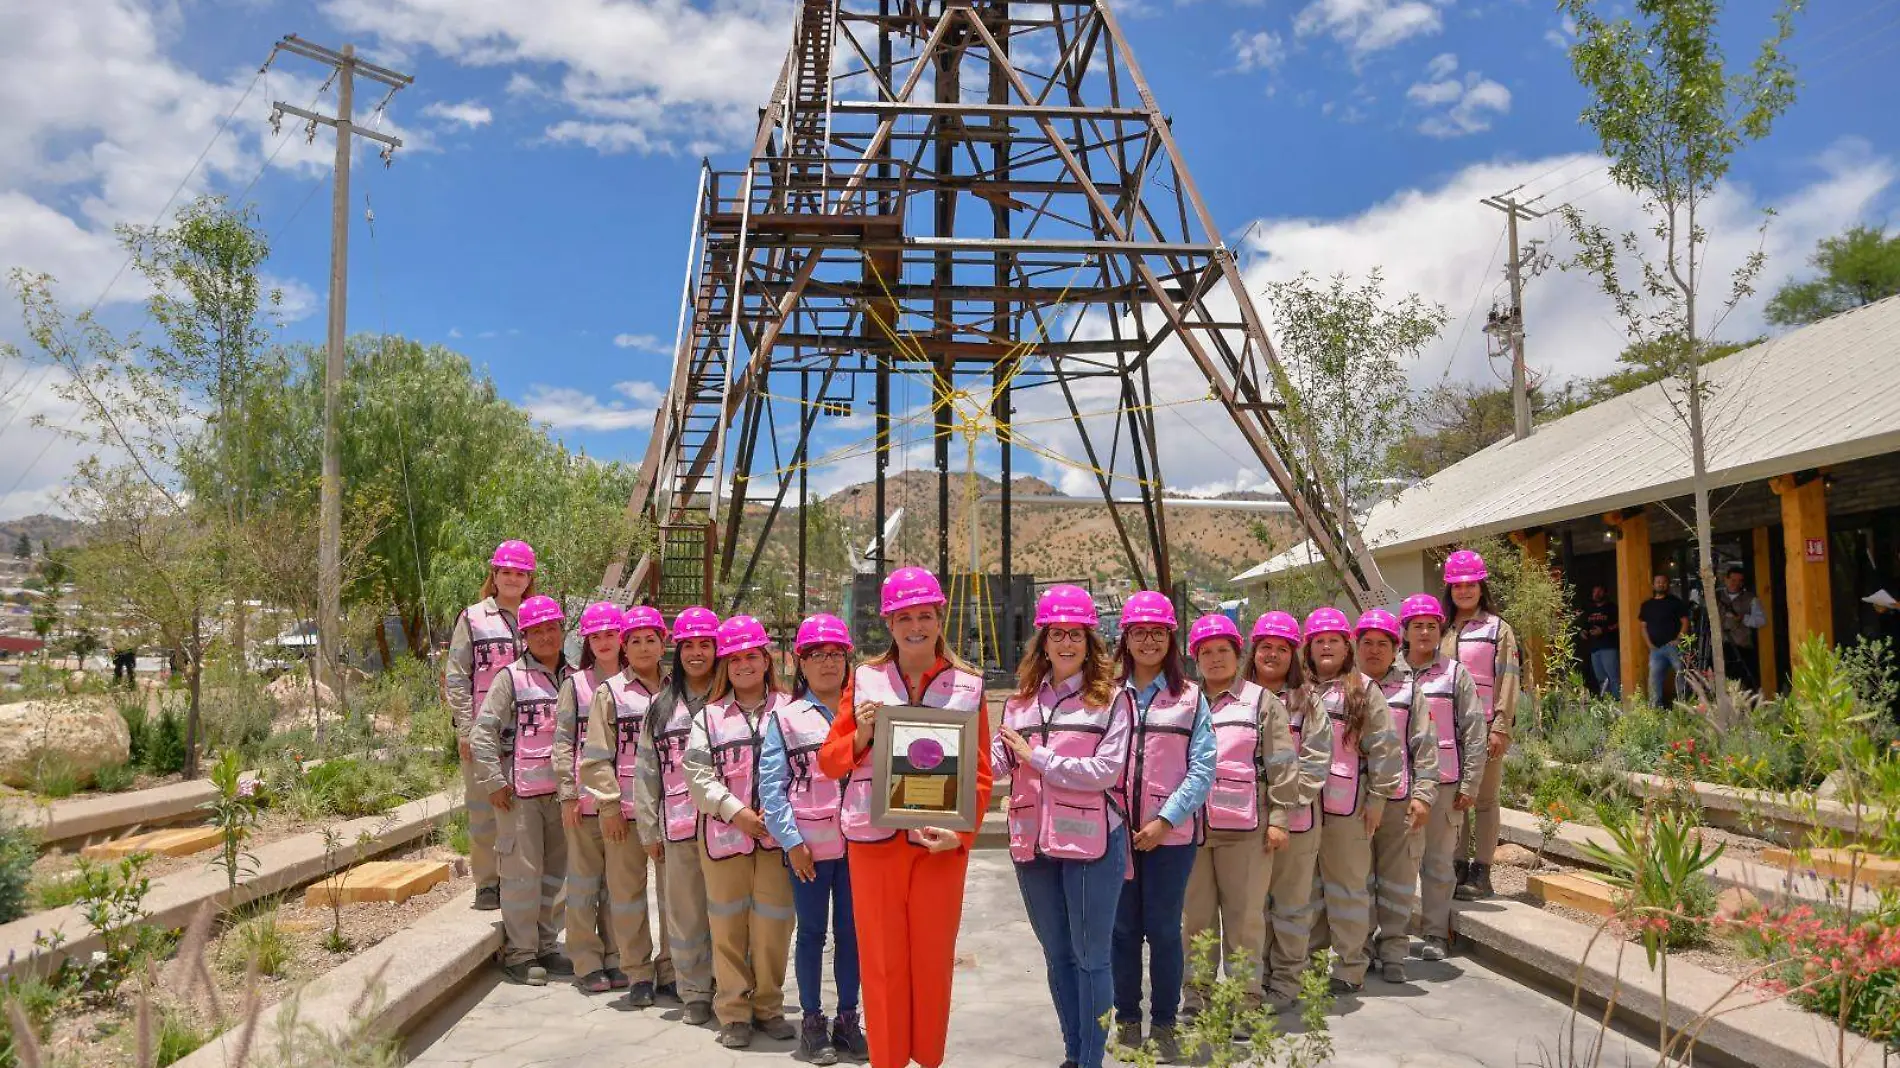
[(1765, 591), (1633, 565), (1535, 545), (1804, 539)]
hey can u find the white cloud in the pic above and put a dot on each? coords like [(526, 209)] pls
[(466, 113), (1260, 50), (1458, 106), (642, 342), (36, 465), (1367, 26), (565, 408), (1563, 35)]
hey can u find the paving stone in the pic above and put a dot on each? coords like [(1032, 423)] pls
[(1868, 869), (1574, 890), (175, 842)]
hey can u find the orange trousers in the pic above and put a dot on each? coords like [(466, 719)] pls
[(908, 903)]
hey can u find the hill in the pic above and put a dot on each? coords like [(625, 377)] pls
[(59, 532)]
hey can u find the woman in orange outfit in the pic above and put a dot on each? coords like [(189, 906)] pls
[(907, 889)]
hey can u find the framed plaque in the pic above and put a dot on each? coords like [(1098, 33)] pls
[(924, 763)]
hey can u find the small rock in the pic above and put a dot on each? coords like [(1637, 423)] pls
[(1734, 903), (1831, 787), (1514, 856)]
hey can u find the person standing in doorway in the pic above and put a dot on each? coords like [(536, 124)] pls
[(1600, 638), (1665, 620), (1741, 615)]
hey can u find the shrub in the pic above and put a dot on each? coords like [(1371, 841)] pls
[(234, 812), (19, 848), (54, 777), (237, 713), (137, 728), (178, 1038), (258, 940), (1658, 865), (116, 778), (454, 832), (38, 999), (346, 787), (53, 892), (165, 744), (1820, 959), (1642, 734)]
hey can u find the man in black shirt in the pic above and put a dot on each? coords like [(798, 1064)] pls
[(1665, 620), (1600, 642)]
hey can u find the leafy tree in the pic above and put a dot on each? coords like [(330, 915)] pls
[(1856, 268), (1455, 420), (1671, 116), (23, 547)]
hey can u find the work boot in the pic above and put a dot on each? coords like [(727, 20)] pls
[(814, 1040), (638, 996), (847, 1033), (1279, 1002), (736, 1035), (1434, 948), (557, 964), (778, 1029), (1477, 885), (595, 983), (1167, 1047), (1392, 971), (1128, 1034), (1340, 987), (1461, 873), (698, 1013), (617, 979), (527, 973), (669, 991), (487, 899)]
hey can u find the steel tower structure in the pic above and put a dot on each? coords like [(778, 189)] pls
[(983, 196)]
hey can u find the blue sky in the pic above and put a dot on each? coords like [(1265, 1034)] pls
[(539, 221)]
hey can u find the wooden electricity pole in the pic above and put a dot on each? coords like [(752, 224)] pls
[(1513, 321), (346, 68)]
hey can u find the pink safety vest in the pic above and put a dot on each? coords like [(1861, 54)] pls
[(1340, 795), (735, 742), (1398, 698), (584, 686), (1233, 804), (531, 736), (1478, 652), (884, 684), (1300, 819), (1438, 690), (1158, 759), (494, 646), (677, 814), (816, 799), (1050, 821), (631, 701)]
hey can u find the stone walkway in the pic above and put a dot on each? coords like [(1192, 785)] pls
[(1458, 1013)]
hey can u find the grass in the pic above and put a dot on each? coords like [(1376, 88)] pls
[(54, 891), (55, 777), (453, 832), (257, 939), (177, 1038), (115, 779)]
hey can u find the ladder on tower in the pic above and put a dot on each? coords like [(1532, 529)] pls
[(809, 107)]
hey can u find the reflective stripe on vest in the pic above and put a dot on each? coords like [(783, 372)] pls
[(1438, 691), (631, 701), (1398, 698), (1158, 759), (1340, 795), (491, 634), (1478, 652), (1050, 821), (1233, 804), (677, 813), (535, 695), (884, 684), (814, 797), (584, 686), (1302, 818), (735, 739)]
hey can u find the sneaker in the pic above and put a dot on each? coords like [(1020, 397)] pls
[(487, 899), (736, 1035), (1433, 948), (1340, 987), (527, 973), (669, 991), (778, 1029), (617, 979), (699, 1013), (1167, 1047), (847, 1034), (1128, 1034), (1392, 972), (557, 964), (814, 1041), (638, 996), (595, 983)]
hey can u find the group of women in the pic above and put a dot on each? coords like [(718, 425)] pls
[(1299, 795)]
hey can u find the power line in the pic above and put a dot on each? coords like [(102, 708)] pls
[(1490, 263)]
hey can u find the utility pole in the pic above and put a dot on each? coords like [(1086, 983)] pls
[(1511, 324), (345, 68)]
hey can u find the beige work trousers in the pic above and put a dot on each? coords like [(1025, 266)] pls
[(531, 849), (749, 902), (1345, 909), (1290, 909), (481, 829), (590, 940), (1393, 883), (1437, 877), (1227, 889), (688, 935), (1482, 821), (636, 937)]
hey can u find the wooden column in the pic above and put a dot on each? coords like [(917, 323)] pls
[(1632, 589), (1804, 539), (1765, 591), (1535, 545)]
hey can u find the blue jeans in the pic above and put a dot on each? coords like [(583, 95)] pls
[(1663, 660), (826, 898), (1150, 911), (1071, 907), (1607, 666)]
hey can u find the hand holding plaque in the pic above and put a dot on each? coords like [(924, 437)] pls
[(924, 764)]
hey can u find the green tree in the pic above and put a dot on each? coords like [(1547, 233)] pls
[(1856, 268), (1671, 116), (23, 547)]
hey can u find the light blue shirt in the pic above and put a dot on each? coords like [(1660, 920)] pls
[(775, 775), (1188, 797)]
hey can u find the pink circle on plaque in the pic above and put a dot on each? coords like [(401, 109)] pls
[(925, 753)]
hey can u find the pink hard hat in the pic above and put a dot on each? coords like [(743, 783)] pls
[(1377, 619), (643, 617), (1279, 625), (741, 634), (1148, 608), (1327, 620), (1207, 628), (537, 610), (1066, 605), (600, 616), (1421, 604), (908, 587), (1465, 566), (821, 629), (695, 622), (518, 555)]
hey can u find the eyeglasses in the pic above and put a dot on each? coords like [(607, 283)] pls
[(1068, 636), (823, 658), (1151, 637)]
